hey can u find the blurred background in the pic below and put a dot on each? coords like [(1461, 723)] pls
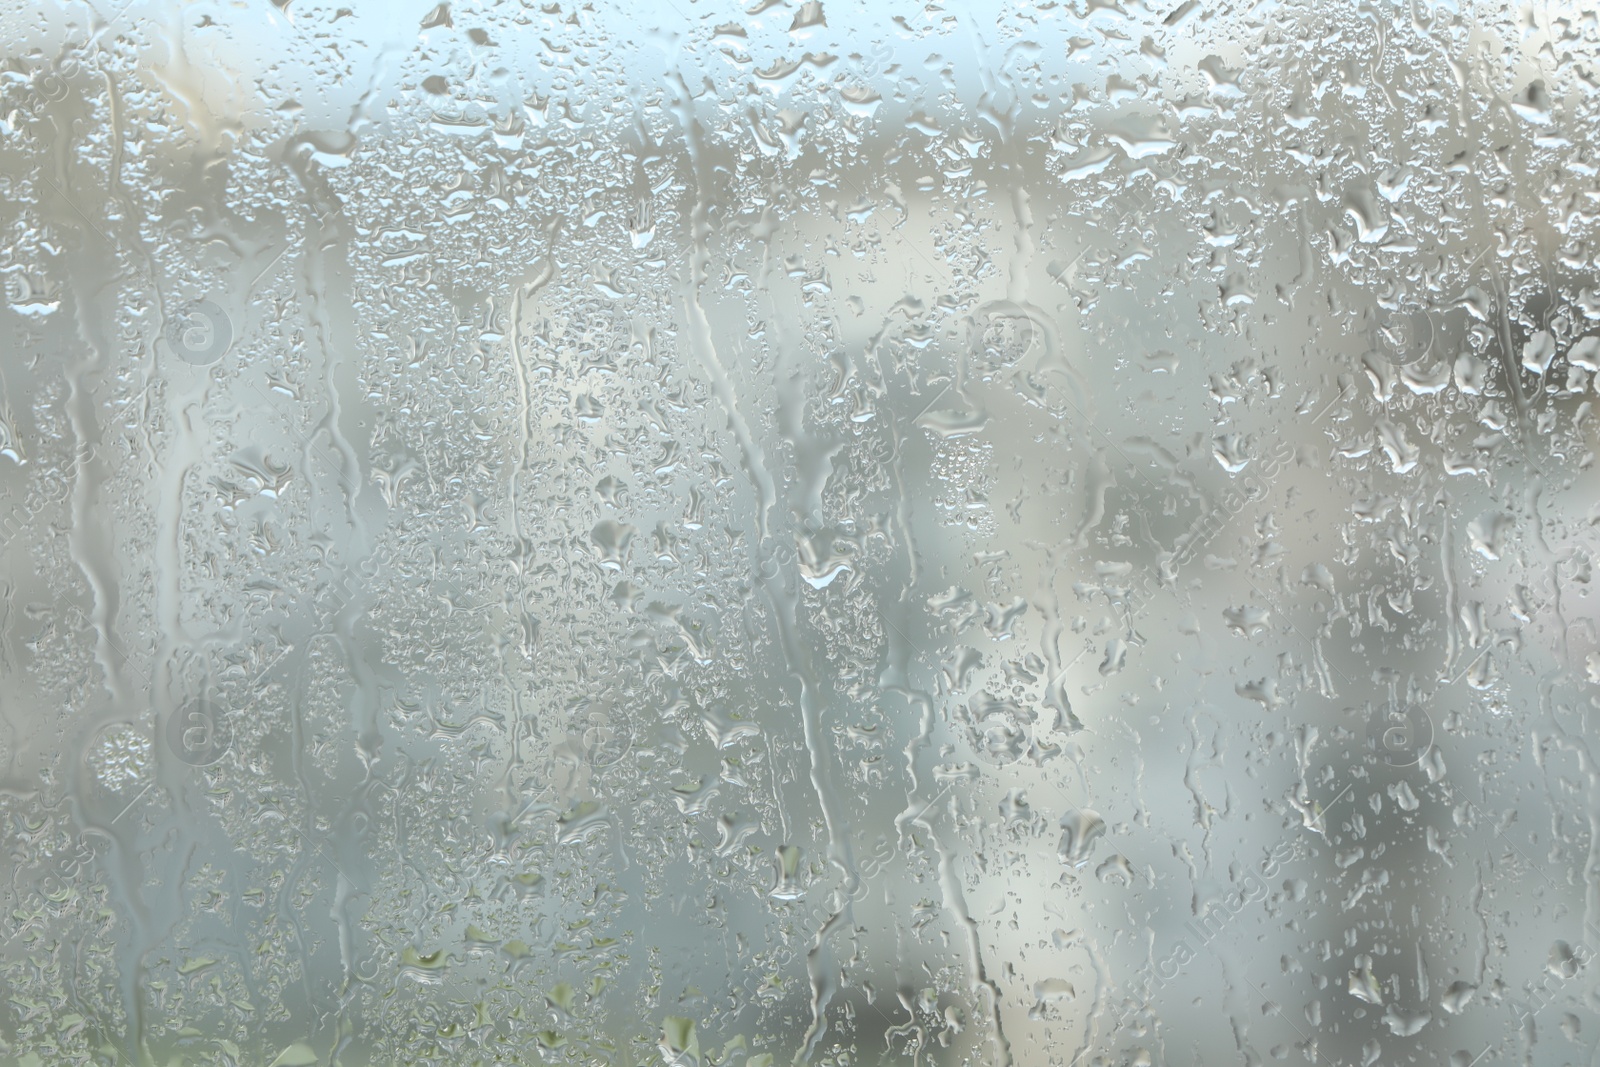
[(840, 533)]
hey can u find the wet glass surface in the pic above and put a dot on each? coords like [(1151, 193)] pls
[(717, 535)]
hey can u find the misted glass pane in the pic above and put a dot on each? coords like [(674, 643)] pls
[(737, 534)]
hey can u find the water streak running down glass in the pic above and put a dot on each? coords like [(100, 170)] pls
[(740, 534)]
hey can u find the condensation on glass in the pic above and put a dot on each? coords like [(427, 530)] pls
[(704, 535)]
